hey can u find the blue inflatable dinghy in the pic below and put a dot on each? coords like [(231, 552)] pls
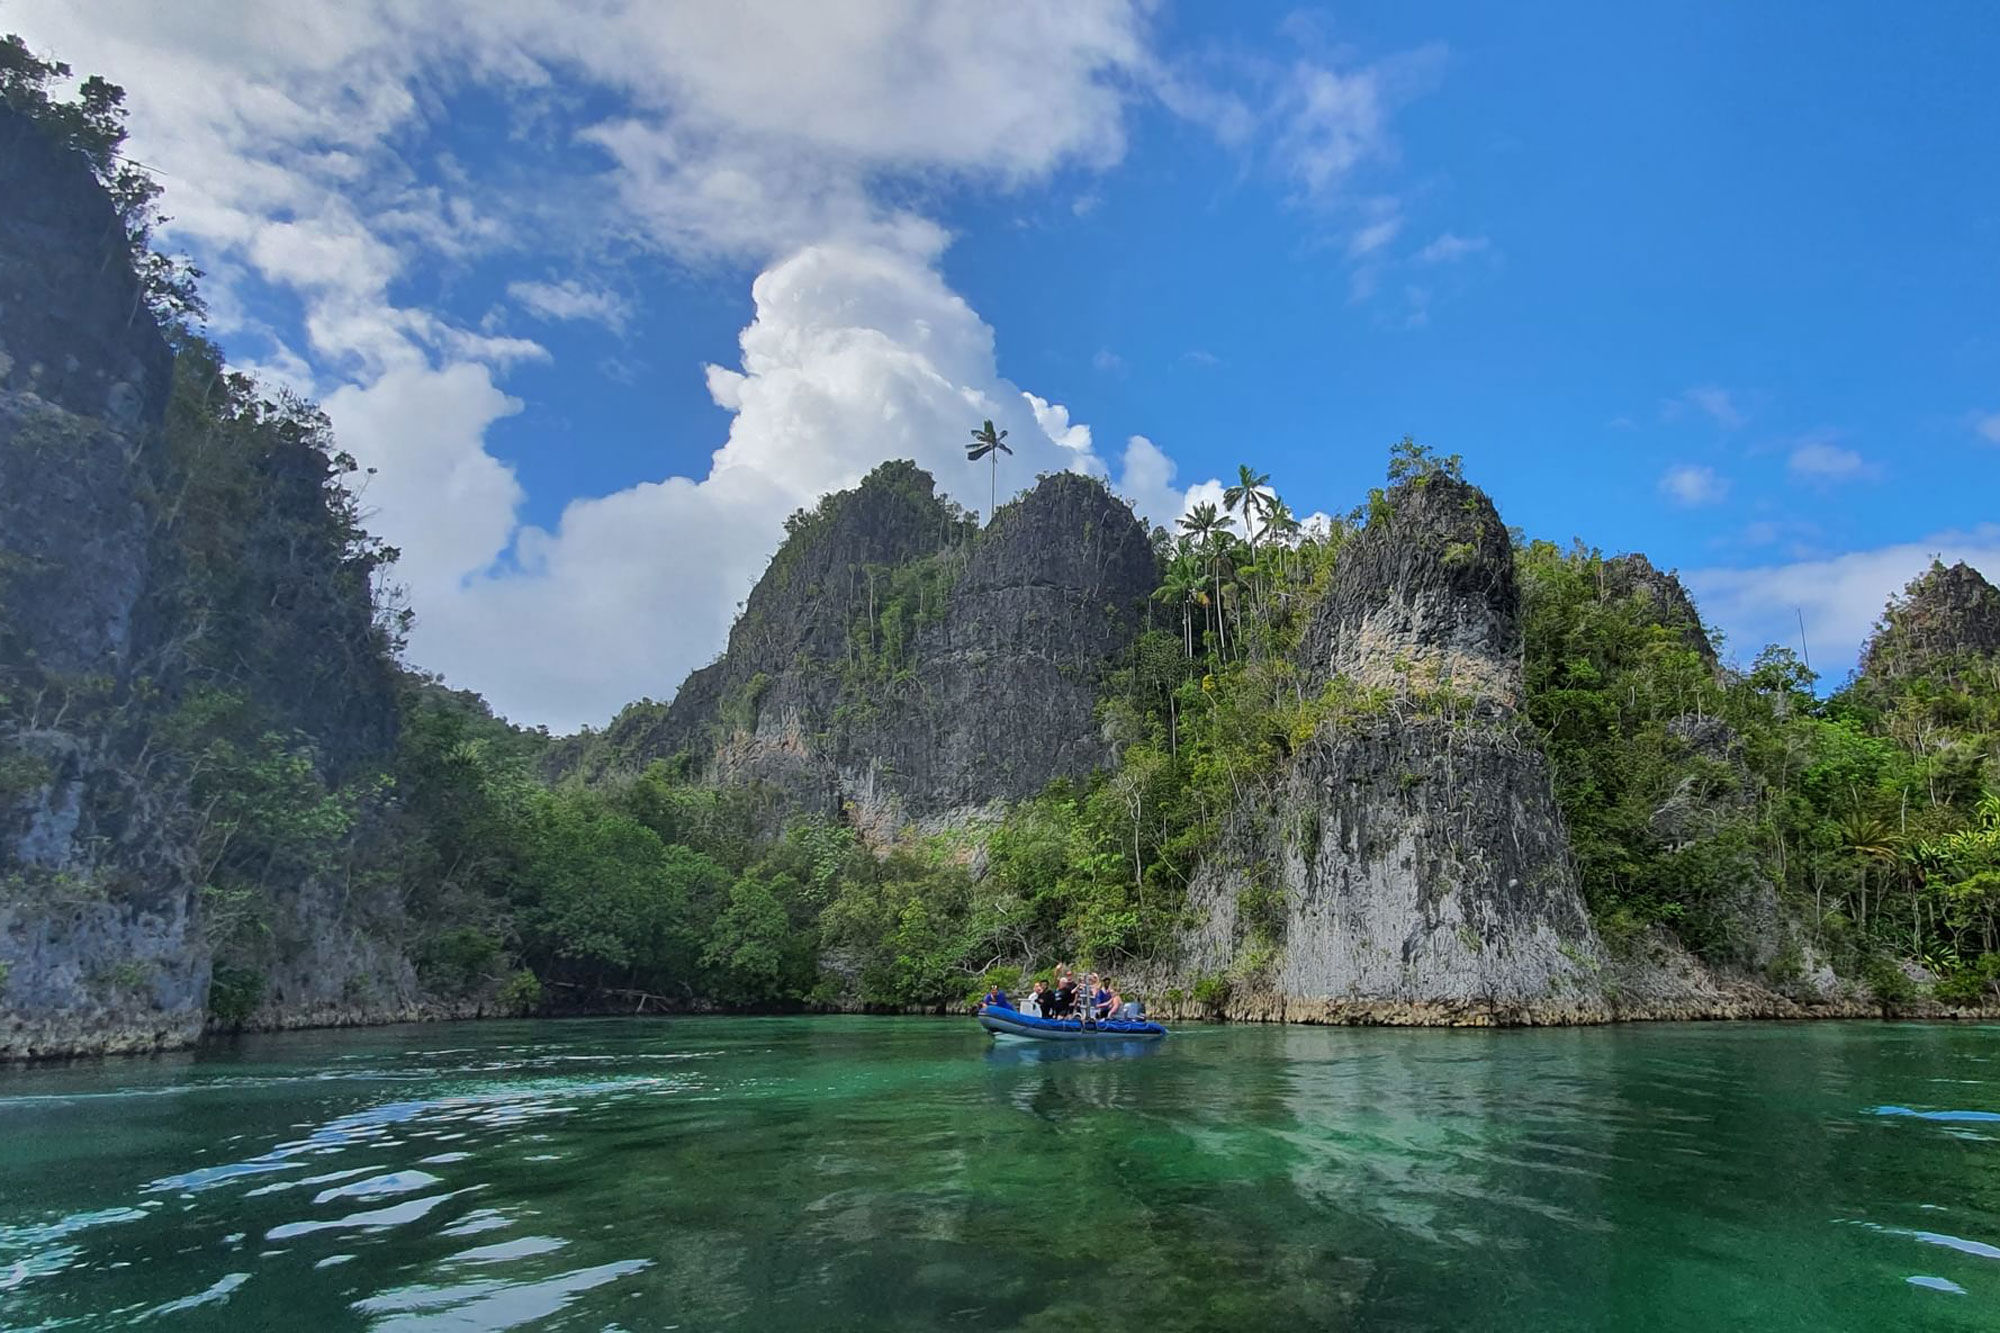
[(1013, 1023)]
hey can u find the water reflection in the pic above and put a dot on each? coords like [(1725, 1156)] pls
[(1004, 1052), (911, 1175)]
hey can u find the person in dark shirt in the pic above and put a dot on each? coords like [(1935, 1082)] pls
[(1065, 996)]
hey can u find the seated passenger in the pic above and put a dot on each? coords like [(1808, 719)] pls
[(1036, 1005), (1103, 999), (996, 999)]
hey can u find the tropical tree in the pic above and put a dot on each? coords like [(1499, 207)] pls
[(1965, 868), (1281, 528), (989, 444), (1871, 841), (1208, 535), (1280, 523), (1181, 586), (1202, 522), (1249, 494)]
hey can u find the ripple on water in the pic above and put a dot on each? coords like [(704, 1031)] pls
[(476, 1221), (380, 1187), (1939, 1115), (215, 1294), (378, 1219), (487, 1304), (1936, 1284), (507, 1250)]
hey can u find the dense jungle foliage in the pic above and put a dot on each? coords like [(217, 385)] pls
[(1686, 786), (1870, 812)]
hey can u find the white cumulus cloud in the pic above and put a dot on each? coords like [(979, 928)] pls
[(304, 152)]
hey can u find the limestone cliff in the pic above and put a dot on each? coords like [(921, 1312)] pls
[(897, 663), (1664, 600), (1946, 614), (184, 591), (1410, 864), (98, 944)]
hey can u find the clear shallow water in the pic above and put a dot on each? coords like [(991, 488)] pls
[(826, 1173)]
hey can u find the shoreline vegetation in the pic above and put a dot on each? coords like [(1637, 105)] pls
[(258, 818)]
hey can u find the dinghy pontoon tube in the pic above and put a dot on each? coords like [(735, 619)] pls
[(1013, 1023)]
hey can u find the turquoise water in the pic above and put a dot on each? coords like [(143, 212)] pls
[(888, 1174)]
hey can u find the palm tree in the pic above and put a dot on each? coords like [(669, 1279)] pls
[(1181, 586), (1281, 526), (1280, 521), (1208, 533), (1249, 493), (989, 443), (1870, 840)]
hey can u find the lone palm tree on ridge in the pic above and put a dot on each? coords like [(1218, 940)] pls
[(989, 443)]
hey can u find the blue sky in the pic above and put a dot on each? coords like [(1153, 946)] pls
[(1717, 283)]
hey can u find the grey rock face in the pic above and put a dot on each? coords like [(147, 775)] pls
[(787, 648), (97, 935), (1006, 680), (1946, 613), (74, 329), (99, 976), (1425, 600), (1666, 599), (1409, 867), (895, 665)]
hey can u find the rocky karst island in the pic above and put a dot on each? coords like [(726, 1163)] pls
[(1063, 892), (1408, 766)]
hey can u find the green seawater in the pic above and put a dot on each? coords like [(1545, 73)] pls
[(889, 1174)]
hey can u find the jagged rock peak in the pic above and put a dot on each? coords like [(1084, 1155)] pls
[(74, 327), (1668, 604), (1424, 599), (802, 602), (1944, 613), (1068, 531)]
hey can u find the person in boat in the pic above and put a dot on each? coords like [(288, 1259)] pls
[(1036, 1003), (1104, 1000), (1065, 997), (996, 998)]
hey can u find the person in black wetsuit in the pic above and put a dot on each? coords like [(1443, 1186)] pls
[(1065, 997)]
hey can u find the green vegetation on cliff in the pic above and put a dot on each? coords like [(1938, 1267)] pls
[(309, 778), (1687, 787)]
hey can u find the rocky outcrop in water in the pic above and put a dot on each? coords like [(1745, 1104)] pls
[(894, 662), (1410, 865), (172, 552), (99, 948)]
